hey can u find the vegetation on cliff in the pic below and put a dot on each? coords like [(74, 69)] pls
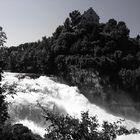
[(81, 48)]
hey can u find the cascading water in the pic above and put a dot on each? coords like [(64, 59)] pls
[(24, 108)]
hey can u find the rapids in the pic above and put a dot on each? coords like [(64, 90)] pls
[(24, 108)]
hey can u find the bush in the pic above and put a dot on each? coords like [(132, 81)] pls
[(68, 128)]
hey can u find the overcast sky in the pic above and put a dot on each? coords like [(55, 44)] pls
[(29, 20)]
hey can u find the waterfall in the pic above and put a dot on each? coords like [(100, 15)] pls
[(24, 108)]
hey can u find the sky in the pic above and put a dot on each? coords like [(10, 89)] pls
[(29, 20)]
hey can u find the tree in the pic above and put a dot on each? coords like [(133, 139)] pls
[(123, 30), (75, 17), (2, 37), (67, 25), (63, 127), (3, 105), (110, 25)]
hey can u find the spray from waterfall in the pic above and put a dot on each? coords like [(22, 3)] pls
[(23, 106)]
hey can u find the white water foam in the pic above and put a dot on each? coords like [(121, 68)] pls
[(62, 98), (129, 137), (33, 127)]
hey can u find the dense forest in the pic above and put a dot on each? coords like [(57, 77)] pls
[(80, 48), (77, 51)]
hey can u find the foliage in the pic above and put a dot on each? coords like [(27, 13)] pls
[(78, 46), (3, 104), (68, 128), (78, 52)]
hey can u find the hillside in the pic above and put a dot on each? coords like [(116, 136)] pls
[(80, 51)]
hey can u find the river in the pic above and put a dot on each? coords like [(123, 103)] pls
[(24, 108)]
